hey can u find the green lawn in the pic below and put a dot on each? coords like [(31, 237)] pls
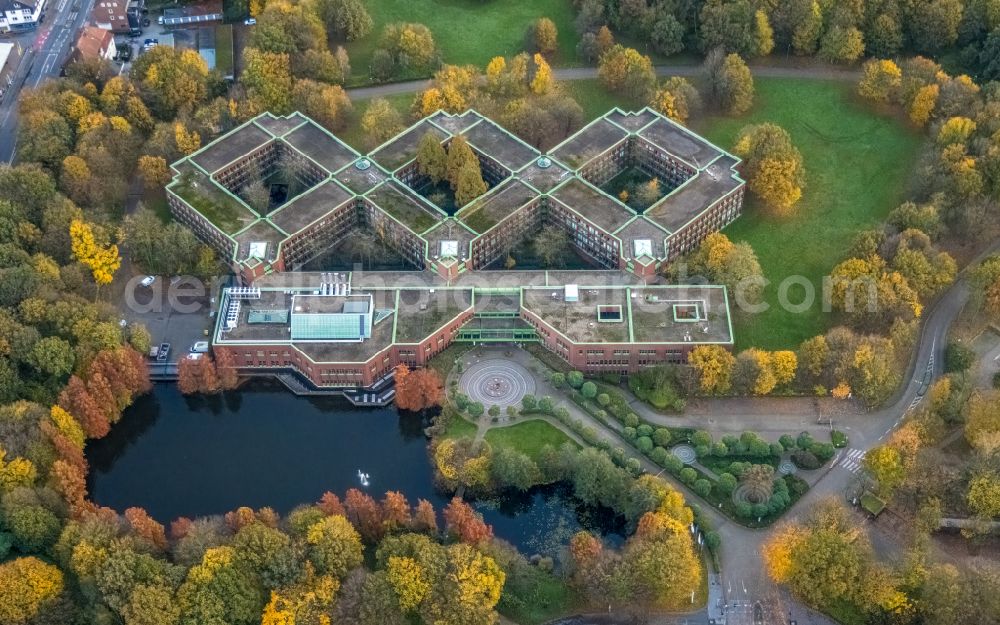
[(460, 427), (528, 437), (224, 49), (468, 31), (857, 165)]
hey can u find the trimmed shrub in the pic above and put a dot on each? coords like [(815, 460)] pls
[(673, 464), (805, 459), (645, 430), (629, 434), (546, 405), (644, 444), (529, 403), (475, 410), (702, 487), (701, 438), (558, 379), (776, 449), (719, 449), (804, 441), (726, 484), (659, 456), (822, 451), (702, 450), (787, 441), (589, 390), (631, 420), (838, 439), (603, 400), (574, 379), (743, 509), (688, 475), (494, 411), (661, 436)]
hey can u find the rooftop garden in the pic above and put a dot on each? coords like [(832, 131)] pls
[(403, 209), (220, 208)]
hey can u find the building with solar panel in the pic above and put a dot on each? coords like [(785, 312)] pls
[(632, 190)]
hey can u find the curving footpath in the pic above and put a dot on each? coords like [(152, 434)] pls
[(589, 73)]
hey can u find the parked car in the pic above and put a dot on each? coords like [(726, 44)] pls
[(148, 281), (159, 20), (199, 347), (250, 21)]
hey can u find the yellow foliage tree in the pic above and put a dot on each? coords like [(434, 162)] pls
[(666, 103), (886, 465), (25, 584), (956, 130), (984, 494), (16, 473), (880, 80), (785, 364), (714, 365), (67, 425), (777, 552), (542, 82), (103, 262), (409, 580), (154, 171), (187, 141), (923, 104)]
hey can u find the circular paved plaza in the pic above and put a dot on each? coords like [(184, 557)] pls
[(496, 382)]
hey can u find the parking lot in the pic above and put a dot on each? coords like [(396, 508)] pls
[(175, 310)]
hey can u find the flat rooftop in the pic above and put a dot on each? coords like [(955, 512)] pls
[(221, 208), (230, 147), (593, 204), (641, 229), (260, 241), (488, 210), (594, 139), (360, 181), (674, 139), (578, 320), (455, 124), (420, 312), (544, 178), (406, 206), (449, 230), (321, 147), (310, 206), (500, 145), (306, 304), (631, 121), (279, 126), (403, 148), (694, 196)]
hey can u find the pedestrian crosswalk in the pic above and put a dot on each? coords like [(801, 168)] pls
[(852, 460)]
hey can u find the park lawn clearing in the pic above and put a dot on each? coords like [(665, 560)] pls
[(468, 31), (460, 427), (857, 166), (224, 49), (528, 437)]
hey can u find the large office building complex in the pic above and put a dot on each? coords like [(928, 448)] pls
[(277, 191)]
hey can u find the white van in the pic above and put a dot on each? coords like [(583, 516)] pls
[(199, 347)]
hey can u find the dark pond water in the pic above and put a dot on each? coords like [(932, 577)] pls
[(262, 446)]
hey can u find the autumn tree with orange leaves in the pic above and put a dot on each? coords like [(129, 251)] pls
[(419, 389), (465, 524)]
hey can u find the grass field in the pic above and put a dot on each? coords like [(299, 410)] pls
[(528, 437), (224, 49), (468, 31), (857, 165)]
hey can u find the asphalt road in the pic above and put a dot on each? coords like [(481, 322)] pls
[(46, 49)]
